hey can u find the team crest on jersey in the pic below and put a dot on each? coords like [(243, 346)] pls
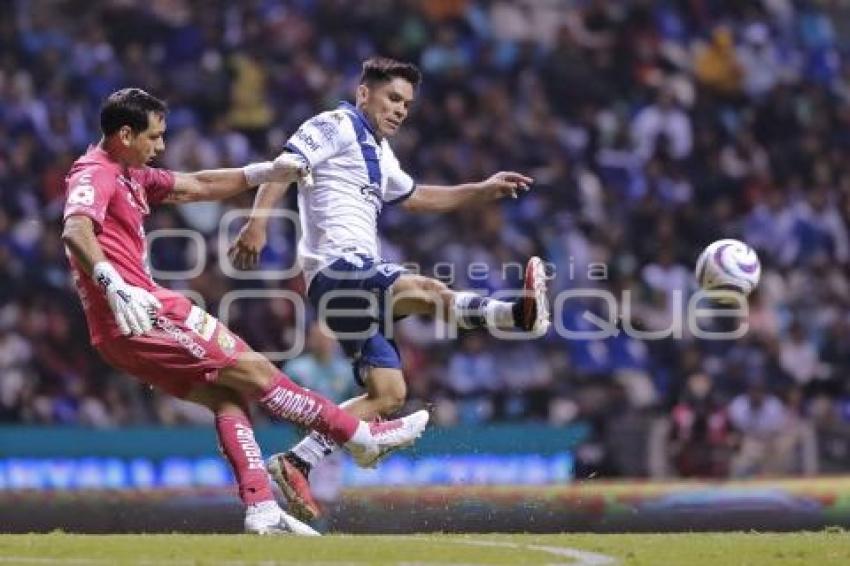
[(371, 194), (201, 322), (388, 269), (226, 341)]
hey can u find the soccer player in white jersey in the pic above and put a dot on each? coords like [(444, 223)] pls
[(354, 175)]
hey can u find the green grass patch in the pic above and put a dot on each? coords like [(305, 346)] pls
[(830, 547)]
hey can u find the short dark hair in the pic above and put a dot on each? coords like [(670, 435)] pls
[(384, 69), (129, 107)]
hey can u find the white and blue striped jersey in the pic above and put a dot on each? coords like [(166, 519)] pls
[(354, 176)]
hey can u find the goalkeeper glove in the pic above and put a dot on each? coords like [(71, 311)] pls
[(133, 307)]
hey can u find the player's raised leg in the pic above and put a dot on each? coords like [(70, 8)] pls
[(380, 365), (416, 294)]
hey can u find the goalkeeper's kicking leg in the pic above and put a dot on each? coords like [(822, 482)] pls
[(236, 439), (225, 375), (254, 378)]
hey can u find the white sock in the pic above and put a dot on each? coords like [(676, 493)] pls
[(474, 311), (468, 310), (499, 313), (314, 447)]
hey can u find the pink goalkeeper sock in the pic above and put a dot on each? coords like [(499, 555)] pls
[(288, 401), (236, 436)]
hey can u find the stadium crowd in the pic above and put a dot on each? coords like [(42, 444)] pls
[(651, 129)]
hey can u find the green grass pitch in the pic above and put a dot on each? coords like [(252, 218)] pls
[(727, 549)]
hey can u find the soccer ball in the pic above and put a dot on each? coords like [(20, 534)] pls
[(728, 265)]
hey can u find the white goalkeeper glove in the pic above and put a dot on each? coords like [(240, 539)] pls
[(133, 307), (286, 168)]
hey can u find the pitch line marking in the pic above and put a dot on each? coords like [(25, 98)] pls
[(580, 557)]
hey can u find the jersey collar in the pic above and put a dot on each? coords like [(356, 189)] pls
[(360, 116)]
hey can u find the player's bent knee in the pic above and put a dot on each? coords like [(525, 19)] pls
[(416, 294), (252, 374), (219, 400), (410, 284), (432, 288)]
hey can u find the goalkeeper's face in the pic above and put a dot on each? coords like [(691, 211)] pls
[(386, 104), (140, 148)]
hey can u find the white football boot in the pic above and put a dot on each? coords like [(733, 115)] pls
[(267, 518), (389, 436), (534, 314)]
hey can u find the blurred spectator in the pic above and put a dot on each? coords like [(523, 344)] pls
[(662, 128), (699, 433), (715, 64), (744, 158), (472, 378), (760, 61), (15, 355), (833, 353), (799, 357), (769, 433), (323, 368), (820, 229)]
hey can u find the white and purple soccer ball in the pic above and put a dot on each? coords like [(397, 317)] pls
[(728, 265)]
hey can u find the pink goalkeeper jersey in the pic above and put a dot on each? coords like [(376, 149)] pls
[(117, 200)]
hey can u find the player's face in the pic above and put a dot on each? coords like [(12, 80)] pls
[(149, 143), (386, 104)]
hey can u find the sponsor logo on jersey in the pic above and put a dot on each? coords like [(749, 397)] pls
[(181, 337), (371, 194), (327, 128), (201, 322), (308, 140)]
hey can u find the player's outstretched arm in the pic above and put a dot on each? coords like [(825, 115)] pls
[(245, 251), (133, 307), (435, 198), (220, 184)]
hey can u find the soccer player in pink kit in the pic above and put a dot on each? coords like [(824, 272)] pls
[(157, 335)]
